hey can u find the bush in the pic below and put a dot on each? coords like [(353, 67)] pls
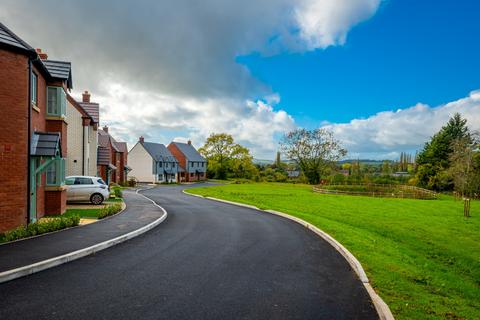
[(40, 227), (109, 211), (132, 182), (117, 191)]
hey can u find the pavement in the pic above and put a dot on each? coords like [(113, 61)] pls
[(139, 212), (207, 260)]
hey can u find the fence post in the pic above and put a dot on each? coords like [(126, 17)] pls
[(466, 207)]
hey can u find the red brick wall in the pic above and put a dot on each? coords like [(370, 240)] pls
[(59, 126), (13, 139), (55, 202)]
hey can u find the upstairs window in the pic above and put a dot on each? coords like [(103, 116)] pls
[(56, 101), (34, 88)]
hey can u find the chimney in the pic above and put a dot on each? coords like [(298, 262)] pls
[(141, 139), (189, 142), (86, 97), (105, 128), (41, 55)]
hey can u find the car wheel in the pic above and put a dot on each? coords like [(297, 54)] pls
[(96, 198)]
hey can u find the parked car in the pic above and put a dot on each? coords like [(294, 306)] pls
[(85, 188)]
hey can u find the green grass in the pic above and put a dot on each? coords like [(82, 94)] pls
[(421, 256), (83, 213)]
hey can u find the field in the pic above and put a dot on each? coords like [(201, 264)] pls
[(421, 256)]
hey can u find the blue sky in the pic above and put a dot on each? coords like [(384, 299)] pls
[(408, 52), (383, 75)]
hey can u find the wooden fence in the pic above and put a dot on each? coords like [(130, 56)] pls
[(377, 190)]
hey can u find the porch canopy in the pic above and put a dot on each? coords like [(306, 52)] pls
[(46, 144)]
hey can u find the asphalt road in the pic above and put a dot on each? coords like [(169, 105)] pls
[(208, 260)]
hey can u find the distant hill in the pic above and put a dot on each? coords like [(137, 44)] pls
[(364, 161)]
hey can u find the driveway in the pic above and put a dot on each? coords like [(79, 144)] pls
[(208, 260)]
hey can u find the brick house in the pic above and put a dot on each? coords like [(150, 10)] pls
[(82, 119), (152, 162), (112, 158), (193, 167), (33, 139)]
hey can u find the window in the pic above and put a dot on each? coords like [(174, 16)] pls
[(173, 165), (56, 173), (160, 164), (191, 174), (56, 101), (101, 181), (34, 88), (80, 180), (191, 164), (69, 181), (203, 164)]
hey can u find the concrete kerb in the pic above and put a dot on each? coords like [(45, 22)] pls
[(382, 308), (56, 261)]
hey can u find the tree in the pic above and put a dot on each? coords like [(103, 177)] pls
[(227, 157), (464, 168), (434, 159), (314, 151)]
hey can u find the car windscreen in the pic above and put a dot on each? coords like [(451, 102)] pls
[(101, 181)]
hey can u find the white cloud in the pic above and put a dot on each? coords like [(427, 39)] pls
[(168, 68), (386, 134), (324, 23), (131, 114)]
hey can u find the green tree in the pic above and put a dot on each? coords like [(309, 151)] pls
[(434, 159), (314, 151), (225, 157)]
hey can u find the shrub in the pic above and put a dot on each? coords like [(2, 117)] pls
[(132, 182), (117, 191), (109, 210), (40, 227)]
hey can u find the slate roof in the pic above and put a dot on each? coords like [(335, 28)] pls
[(159, 152), (45, 144), (60, 70), (190, 152), (7, 37), (92, 109)]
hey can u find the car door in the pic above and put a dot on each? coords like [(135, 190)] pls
[(83, 188), (70, 183)]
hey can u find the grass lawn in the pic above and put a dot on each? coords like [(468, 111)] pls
[(91, 213), (421, 256)]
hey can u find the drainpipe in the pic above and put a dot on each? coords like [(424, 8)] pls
[(29, 138), (83, 149)]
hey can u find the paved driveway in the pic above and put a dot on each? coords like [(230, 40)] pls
[(208, 260)]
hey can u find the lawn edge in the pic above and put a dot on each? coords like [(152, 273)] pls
[(381, 307), (74, 255)]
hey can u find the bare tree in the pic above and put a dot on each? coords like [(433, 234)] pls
[(463, 167), (314, 151)]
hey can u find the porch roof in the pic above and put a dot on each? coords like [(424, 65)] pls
[(45, 144)]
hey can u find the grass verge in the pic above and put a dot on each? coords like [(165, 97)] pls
[(421, 256)]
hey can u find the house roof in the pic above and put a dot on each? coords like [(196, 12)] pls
[(159, 152), (103, 139), (103, 156), (189, 151), (45, 144), (92, 109), (61, 70), (122, 146), (8, 38)]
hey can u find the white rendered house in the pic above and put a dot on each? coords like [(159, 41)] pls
[(152, 162)]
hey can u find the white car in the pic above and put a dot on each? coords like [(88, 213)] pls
[(84, 188)]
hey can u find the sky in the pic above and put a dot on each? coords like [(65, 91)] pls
[(383, 75)]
